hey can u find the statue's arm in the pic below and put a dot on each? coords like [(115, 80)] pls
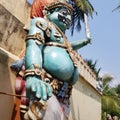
[(33, 49), (33, 63), (79, 44)]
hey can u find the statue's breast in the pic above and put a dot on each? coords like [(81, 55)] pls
[(58, 62)]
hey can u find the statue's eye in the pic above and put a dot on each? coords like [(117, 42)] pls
[(64, 12)]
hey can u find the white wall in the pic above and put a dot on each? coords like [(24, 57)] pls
[(85, 102)]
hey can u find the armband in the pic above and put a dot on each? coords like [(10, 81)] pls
[(38, 37)]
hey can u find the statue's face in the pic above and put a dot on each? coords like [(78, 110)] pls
[(61, 17)]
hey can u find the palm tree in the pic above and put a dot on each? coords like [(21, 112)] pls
[(93, 67), (106, 81), (110, 100), (82, 9)]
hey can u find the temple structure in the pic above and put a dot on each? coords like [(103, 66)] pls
[(85, 100)]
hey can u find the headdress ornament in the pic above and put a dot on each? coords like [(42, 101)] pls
[(39, 6)]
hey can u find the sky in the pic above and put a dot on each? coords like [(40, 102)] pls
[(105, 32)]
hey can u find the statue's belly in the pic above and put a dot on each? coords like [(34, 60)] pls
[(58, 63)]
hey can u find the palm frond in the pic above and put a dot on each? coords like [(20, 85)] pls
[(107, 79), (89, 8), (118, 7), (80, 8), (85, 6), (93, 66), (80, 5)]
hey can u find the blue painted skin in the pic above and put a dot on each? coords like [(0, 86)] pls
[(54, 60), (58, 63)]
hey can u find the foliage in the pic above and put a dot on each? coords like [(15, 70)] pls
[(110, 106), (110, 98), (110, 92), (118, 90), (93, 66), (80, 8), (85, 6), (106, 81)]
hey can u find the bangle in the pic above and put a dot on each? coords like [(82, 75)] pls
[(35, 71)]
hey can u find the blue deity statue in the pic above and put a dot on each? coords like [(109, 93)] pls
[(50, 62)]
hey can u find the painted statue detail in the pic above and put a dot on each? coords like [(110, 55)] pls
[(50, 61)]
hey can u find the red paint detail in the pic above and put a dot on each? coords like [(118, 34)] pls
[(20, 84)]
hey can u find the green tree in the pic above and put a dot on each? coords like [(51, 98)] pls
[(110, 99), (118, 90), (93, 66), (106, 79), (82, 9)]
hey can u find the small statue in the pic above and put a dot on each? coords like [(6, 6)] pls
[(51, 62)]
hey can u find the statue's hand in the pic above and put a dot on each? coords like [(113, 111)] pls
[(37, 88)]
